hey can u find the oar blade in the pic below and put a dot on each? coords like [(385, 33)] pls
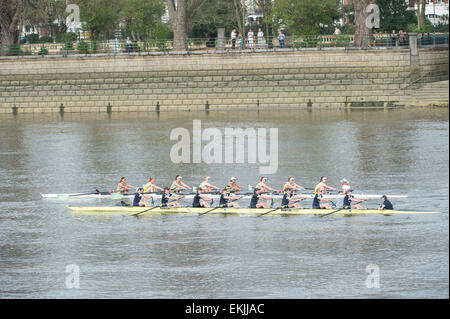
[(116, 196)]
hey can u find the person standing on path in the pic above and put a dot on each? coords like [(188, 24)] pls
[(260, 38), (250, 36), (233, 39), (281, 39)]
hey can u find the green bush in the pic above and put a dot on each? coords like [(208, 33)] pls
[(83, 47), (66, 37), (31, 38), (43, 50), (46, 39), (14, 50)]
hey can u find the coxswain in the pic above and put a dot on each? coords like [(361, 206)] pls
[(262, 185), (259, 200), (228, 200), (350, 202), (123, 187), (140, 199), (322, 186), (345, 185), (201, 200), (385, 204), (178, 185), (292, 185), (206, 186), (233, 186), (320, 203), (291, 201)]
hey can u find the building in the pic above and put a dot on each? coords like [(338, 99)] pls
[(435, 10)]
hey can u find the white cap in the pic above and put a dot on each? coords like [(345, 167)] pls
[(344, 180), (233, 178)]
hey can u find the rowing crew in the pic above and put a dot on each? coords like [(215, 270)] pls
[(206, 187)]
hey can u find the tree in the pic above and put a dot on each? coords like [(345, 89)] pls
[(394, 15), (101, 17), (421, 19), (264, 7), (213, 15), (303, 16), (363, 31), (11, 18), (181, 16), (141, 16)]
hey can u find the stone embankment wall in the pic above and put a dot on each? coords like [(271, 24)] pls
[(295, 79)]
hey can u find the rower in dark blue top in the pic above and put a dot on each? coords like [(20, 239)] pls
[(291, 201), (350, 202), (318, 199), (139, 199)]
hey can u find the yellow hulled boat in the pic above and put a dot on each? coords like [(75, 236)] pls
[(146, 211)]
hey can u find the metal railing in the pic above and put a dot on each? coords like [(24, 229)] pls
[(205, 44)]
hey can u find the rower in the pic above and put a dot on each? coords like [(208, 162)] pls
[(290, 201), (263, 186), (386, 204), (178, 185), (123, 187), (345, 185), (233, 186), (323, 187), (168, 199), (227, 200), (201, 200), (292, 185), (140, 199), (349, 199), (319, 201), (259, 200), (150, 187), (206, 186)]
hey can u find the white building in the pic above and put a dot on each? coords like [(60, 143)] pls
[(434, 10)]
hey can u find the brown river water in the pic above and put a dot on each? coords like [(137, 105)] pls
[(379, 151)]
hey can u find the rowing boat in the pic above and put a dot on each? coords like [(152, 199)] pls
[(131, 210), (157, 196)]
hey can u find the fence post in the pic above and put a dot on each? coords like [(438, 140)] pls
[(220, 46), (414, 57)]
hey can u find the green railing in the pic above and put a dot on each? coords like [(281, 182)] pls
[(296, 42)]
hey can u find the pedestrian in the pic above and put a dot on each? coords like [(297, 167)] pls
[(240, 41), (394, 38), (401, 37), (260, 38), (233, 39), (129, 45), (250, 37), (281, 39)]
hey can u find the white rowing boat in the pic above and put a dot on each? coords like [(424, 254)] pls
[(157, 196)]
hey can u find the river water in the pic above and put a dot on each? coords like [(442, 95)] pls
[(379, 151)]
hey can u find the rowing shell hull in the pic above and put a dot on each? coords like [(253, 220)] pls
[(126, 210), (75, 196)]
